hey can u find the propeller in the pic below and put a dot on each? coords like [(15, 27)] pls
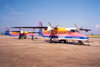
[(56, 27), (50, 24), (76, 26), (81, 28), (50, 28)]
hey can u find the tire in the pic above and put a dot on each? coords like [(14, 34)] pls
[(64, 41), (80, 42), (50, 40)]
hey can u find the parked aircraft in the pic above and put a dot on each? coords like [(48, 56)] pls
[(60, 33), (21, 34)]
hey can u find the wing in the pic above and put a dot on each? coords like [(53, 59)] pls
[(30, 27), (85, 30)]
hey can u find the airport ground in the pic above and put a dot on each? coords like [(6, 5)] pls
[(39, 53)]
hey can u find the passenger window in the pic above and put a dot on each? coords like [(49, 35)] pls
[(63, 32), (76, 30), (59, 32), (72, 30)]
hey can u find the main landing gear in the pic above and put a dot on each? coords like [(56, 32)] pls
[(22, 36), (59, 41), (64, 41), (80, 42), (50, 41)]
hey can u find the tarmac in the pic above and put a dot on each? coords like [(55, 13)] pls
[(16, 52)]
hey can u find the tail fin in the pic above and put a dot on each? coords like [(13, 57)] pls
[(6, 29), (40, 24)]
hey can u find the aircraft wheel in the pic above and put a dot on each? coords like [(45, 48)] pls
[(64, 41), (19, 37), (50, 40), (24, 37), (80, 42)]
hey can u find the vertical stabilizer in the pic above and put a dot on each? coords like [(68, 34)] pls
[(40, 24), (6, 28), (7, 31), (40, 30)]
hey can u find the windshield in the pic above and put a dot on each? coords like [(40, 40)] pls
[(74, 30)]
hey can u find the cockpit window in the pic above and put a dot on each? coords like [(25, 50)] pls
[(74, 31)]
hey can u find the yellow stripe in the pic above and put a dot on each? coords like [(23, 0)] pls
[(62, 29)]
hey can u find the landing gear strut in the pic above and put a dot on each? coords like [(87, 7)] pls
[(80, 42), (62, 40), (50, 41), (22, 37)]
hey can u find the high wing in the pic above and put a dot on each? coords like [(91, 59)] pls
[(85, 30), (14, 31), (28, 31), (82, 29), (30, 27)]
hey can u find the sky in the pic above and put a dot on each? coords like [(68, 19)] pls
[(65, 13)]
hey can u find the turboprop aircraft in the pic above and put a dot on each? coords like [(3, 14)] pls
[(21, 34), (60, 33)]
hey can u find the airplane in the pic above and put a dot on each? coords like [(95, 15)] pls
[(21, 34), (60, 33)]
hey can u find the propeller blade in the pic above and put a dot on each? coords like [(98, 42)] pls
[(76, 26), (49, 27), (50, 24), (56, 27)]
